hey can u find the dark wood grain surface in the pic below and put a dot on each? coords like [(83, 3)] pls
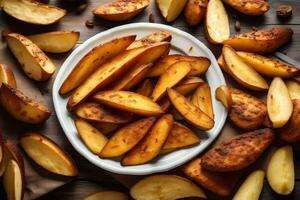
[(92, 178)]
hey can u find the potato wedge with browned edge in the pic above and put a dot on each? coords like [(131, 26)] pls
[(294, 89), (146, 88), (223, 94), (171, 187), (188, 85), (22, 107), (32, 59), (191, 113), (7, 76), (47, 154), (33, 12), (150, 146), (219, 183), (126, 138), (242, 72), (170, 9), (260, 41), (121, 10), (254, 8), (55, 42), (91, 137), (194, 11), (107, 195), (110, 71), (227, 156), (93, 60)]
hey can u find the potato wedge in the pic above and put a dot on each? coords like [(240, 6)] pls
[(121, 10), (219, 183), (22, 107), (165, 187), (279, 103), (194, 11), (294, 89), (32, 59), (251, 187), (179, 137), (171, 9), (261, 41), (254, 8), (160, 36), (107, 195), (98, 113), (223, 94), (268, 66), (242, 72), (111, 70), (188, 85), (33, 12), (222, 63), (216, 22), (95, 58), (191, 113), (173, 75), (126, 138), (7, 76), (146, 88), (281, 171), (202, 99), (150, 146), (92, 138), (44, 152), (105, 128), (55, 42), (199, 64), (227, 156)]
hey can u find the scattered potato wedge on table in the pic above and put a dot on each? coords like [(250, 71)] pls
[(7, 76), (188, 85), (195, 11), (146, 88), (257, 7), (170, 9), (107, 195), (223, 94), (294, 89)]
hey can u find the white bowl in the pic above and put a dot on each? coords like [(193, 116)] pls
[(182, 42)]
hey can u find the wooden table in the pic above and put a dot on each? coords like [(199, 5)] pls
[(90, 177)]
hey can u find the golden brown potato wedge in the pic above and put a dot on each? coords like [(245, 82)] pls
[(150, 146), (188, 85), (268, 66), (111, 70), (92, 138), (7, 76), (281, 171), (279, 103), (105, 128), (107, 195), (171, 9), (261, 41), (227, 156), (126, 138), (95, 58), (294, 89), (242, 72), (22, 107), (195, 11), (191, 113), (146, 88), (216, 22), (223, 94), (170, 187), (44, 152), (32, 59), (173, 75), (33, 12), (56, 42), (121, 10), (257, 7), (179, 137)]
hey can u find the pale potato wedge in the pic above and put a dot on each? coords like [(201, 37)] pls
[(160, 36), (254, 8), (242, 72), (111, 70), (202, 99), (105, 128), (165, 187), (22, 107), (268, 66), (170, 9), (261, 41), (279, 103), (7, 76), (91, 61), (126, 138), (191, 113), (199, 64), (32, 59), (251, 187), (47, 154), (121, 10), (223, 94), (179, 137), (173, 75), (33, 12), (294, 89), (194, 11), (92, 138), (146, 88), (188, 85), (281, 171), (150, 146), (55, 42), (107, 195), (216, 22)]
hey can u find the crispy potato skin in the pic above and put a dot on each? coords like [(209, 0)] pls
[(249, 7), (194, 11), (161, 36), (238, 152)]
